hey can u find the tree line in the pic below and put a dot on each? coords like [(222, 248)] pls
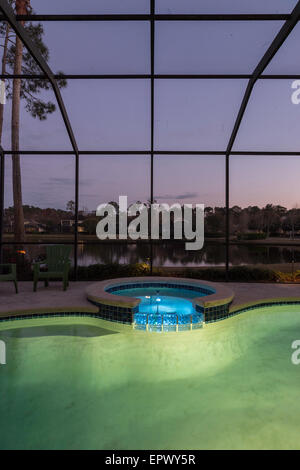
[(252, 221)]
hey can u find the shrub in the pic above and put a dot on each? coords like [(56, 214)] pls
[(208, 274), (236, 273), (247, 273), (214, 235), (99, 272), (287, 277)]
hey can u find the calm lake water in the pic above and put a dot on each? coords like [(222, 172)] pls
[(171, 255), (175, 255)]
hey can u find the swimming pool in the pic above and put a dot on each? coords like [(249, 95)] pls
[(75, 384)]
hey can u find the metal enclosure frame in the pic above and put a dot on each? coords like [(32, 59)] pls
[(8, 15)]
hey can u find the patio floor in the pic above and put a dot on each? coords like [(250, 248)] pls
[(54, 297), (50, 298)]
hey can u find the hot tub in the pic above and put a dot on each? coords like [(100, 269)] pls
[(160, 304)]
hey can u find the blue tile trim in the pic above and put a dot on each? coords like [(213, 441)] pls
[(114, 313), (211, 315), (264, 304), (49, 315)]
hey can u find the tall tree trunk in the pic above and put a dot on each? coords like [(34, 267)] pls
[(4, 61), (21, 9), (15, 145)]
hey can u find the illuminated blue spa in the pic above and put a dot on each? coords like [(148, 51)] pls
[(161, 304), (164, 308)]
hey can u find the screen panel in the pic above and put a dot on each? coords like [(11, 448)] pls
[(173, 255), (285, 61), (109, 114), (194, 180), (48, 187), (196, 114), (88, 7), (107, 253), (103, 179), (212, 47), (38, 130), (265, 214), (271, 119), (113, 47), (224, 6)]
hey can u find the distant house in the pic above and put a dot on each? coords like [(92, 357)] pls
[(31, 226), (66, 225), (8, 226)]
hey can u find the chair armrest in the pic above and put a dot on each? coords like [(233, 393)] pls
[(12, 266)]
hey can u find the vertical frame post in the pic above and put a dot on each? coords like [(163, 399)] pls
[(76, 215), (227, 214), (2, 173), (152, 54)]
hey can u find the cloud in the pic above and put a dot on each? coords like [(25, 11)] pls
[(65, 181), (60, 181), (178, 196)]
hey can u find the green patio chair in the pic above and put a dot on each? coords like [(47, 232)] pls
[(8, 272), (58, 265)]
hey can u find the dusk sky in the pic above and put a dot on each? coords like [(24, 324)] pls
[(189, 114)]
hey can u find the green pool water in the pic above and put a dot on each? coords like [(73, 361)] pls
[(231, 385)]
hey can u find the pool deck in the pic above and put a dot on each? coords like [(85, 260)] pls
[(213, 294), (74, 299)]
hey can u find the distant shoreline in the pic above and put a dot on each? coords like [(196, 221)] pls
[(68, 238)]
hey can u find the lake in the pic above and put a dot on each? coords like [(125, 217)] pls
[(175, 255), (169, 254)]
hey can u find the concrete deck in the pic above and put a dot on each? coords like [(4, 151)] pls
[(251, 292), (50, 298), (74, 298)]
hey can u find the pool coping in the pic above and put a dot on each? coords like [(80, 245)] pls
[(267, 302), (96, 293)]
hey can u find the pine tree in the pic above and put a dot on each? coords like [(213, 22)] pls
[(18, 60)]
